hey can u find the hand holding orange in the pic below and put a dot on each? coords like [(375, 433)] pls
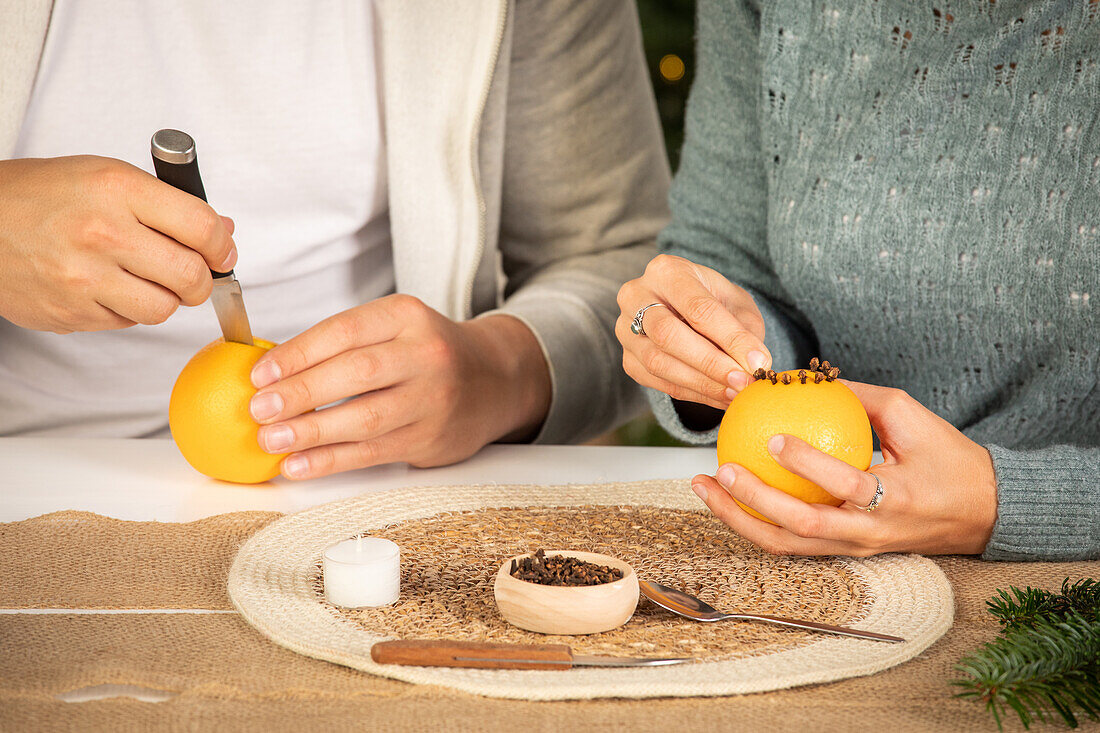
[(209, 418), (808, 404)]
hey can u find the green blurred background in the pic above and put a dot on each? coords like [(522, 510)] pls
[(668, 28), (668, 32)]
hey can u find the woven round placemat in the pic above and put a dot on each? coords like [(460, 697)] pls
[(453, 539)]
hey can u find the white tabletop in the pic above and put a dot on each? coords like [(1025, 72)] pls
[(149, 480)]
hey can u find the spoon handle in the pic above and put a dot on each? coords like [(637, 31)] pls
[(812, 626)]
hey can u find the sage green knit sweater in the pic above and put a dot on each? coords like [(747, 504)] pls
[(912, 191)]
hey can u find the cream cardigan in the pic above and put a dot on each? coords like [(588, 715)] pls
[(526, 171)]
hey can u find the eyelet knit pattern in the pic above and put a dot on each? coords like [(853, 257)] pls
[(914, 187)]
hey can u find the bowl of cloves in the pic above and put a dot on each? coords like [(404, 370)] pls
[(566, 592)]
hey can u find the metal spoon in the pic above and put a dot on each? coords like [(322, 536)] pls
[(681, 603)]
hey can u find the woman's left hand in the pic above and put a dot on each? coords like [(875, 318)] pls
[(940, 494)]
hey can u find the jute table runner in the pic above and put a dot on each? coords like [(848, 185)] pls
[(226, 676)]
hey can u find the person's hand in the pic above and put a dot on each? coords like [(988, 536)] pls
[(89, 243), (939, 497), (426, 390), (704, 340)]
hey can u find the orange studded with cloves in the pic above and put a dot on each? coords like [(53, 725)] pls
[(807, 403)]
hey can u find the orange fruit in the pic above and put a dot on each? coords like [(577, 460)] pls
[(209, 418), (826, 414)]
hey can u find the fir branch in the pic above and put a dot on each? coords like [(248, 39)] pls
[(1020, 608), (1033, 670), (1047, 659)]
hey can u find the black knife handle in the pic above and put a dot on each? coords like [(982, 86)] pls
[(177, 164)]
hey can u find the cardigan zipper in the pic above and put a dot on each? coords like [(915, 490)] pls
[(498, 41)]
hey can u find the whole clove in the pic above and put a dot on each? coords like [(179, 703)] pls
[(820, 370), (561, 570)]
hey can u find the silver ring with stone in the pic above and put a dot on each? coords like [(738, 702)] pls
[(877, 498), (636, 326)]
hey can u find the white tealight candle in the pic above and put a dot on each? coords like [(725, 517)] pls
[(365, 571)]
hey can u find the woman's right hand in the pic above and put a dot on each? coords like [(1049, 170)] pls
[(703, 344), (90, 243)]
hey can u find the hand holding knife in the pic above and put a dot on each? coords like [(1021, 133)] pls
[(486, 655), (176, 164)]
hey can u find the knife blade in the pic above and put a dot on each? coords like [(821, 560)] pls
[(485, 655), (177, 164), (229, 306)]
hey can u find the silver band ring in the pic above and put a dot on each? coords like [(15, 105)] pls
[(636, 326), (877, 498)]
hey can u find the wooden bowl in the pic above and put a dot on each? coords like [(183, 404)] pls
[(564, 609)]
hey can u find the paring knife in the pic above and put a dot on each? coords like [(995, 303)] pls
[(176, 164), (501, 656)]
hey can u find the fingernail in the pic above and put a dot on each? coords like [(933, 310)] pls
[(265, 373), (266, 405), (775, 444), (738, 380), (296, 466), (756, 360), (230, 261), (730, 393), (726, 475), (277, 438), (700, 491)]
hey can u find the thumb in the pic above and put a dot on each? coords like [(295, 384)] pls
[(892, 412)]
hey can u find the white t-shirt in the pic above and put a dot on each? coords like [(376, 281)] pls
[(283, 101)]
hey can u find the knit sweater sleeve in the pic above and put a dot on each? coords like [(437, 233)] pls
[(1048, 504), (584, 193), (719, 196)]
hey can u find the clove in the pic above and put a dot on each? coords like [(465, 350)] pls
[(562, 570)]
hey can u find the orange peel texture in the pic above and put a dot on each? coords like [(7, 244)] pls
[(209, 418), (825, 414)]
